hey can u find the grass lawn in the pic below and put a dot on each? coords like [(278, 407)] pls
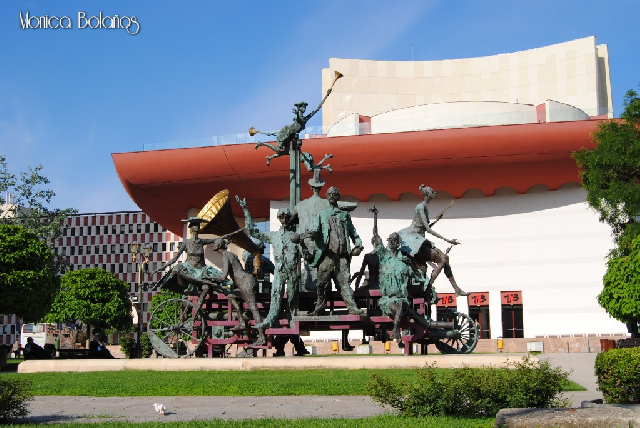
[(373, 422), (237, 383), (215, 383)]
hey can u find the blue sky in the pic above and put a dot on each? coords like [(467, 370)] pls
[(70, 98)]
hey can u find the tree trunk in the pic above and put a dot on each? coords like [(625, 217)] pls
[(632, 327)]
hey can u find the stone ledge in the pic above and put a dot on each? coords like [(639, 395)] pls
[(286, 363), (593, 417)]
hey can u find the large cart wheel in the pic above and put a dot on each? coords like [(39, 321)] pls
[(172, 329), (465, 341)]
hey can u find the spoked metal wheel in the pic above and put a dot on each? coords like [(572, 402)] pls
[(172, 329), (465, 334)]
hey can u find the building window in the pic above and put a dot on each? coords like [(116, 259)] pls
[(122, 228), (96, 249), (113, 249), (79, 251), (155, 247), (122, 248), (105, 230), (88, 250), (130, 228), (73, 231), (147, 228), (139, 228), (479, 312), (64, 231), (164, 247), (172, 246), (121, 268), (155, 227), (80, 231), (512, 323), (104, 249), (113, 229)]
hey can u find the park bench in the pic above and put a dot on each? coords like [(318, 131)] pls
[(73, 353), (629, 343)]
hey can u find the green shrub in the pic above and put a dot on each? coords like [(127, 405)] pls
[(128, 346), (473, 391), (145, 344), (14, 394), (618, 372)]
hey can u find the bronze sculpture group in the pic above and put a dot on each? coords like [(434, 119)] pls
[(312, 250)]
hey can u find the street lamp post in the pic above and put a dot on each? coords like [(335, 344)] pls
[(141, 259)]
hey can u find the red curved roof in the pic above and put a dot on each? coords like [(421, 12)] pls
[(167, 183)]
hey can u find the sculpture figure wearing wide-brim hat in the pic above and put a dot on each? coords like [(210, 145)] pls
[(193, 276), (316, 182)]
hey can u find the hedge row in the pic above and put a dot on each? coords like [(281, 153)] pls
[(473, 391), (618, 372)]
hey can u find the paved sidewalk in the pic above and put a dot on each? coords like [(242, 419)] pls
[(581, 368), (56, 409)]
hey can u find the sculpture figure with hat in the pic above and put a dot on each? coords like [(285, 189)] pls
[(289, 143), (333, 230), (193, 276), (289, 136)]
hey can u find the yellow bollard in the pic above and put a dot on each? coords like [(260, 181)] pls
[(500, 344), (334, 346), (387, 347)]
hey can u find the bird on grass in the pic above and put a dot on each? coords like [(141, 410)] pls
[(160, 408)]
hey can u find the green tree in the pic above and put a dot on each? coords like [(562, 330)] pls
[(161, 297), (94, 296), (621, 293), (166, 316), (29, 205), (610, 172), (28, 282)]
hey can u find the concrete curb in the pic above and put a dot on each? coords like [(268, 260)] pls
[(604, 417), (285, 363)]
